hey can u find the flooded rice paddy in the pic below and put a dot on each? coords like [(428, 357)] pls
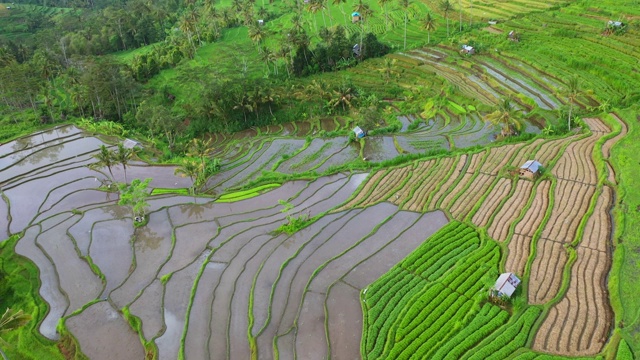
[(205, 280)]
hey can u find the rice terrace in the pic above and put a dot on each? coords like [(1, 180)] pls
[(311, 179)]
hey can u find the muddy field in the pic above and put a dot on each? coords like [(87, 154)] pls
[(206, 280)]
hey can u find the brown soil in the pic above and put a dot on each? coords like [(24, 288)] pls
[(526, 152), (499, 229), (546, 271), (606, 147), (364, 192), (576, 163), (518, 254), (427, 186), (387, 184), (475, 161), (471, 196), (422, 171), (597, 232), (571, 202), (499, 191), (498, 158), (534, 215), (579, 324)]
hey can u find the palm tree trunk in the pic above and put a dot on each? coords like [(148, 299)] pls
[(570, 111), (405, 30)]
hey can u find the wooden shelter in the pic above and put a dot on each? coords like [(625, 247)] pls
[(355, 17), (130, 144), (506, 285), (359, 132), (466, 49), (530, 169)]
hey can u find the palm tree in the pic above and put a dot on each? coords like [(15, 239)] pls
[(341, 3), (388, 69), (445, 5), (405, 4), (192, 169), (122, 157), (256, 34), (105, 159), (383, 4), (12, 320), (507, 116), (343, 96), (200, 148), (429, 24), (572, 91)]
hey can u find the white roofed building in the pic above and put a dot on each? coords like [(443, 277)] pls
[(506, 284)]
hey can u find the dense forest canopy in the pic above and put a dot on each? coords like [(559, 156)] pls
[(55, 62)]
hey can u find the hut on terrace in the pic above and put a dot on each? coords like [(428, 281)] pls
[(359, 132), (530, 169), (131, 144), (505, 285), (468, 50), (355, 17)]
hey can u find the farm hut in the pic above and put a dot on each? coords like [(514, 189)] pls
[(466, 49), (355, 17), (615, 24), (130, 144), (513, 36), (359, 132), (530, 169), (356, 50), (506, 284), (261, 22), (492, 22)]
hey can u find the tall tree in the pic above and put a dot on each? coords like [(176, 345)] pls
[(388, 69), (383, 4), (572, 91), (201, 149), (192, 169), (106, 159), (429, 24), (405, 5), (446, 6), (122, 156), (507, 116)]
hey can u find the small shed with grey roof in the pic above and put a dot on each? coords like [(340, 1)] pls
[(530, 169), (506, 285), (130, 144)]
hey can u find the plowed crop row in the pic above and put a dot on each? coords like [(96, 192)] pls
[(499, 191), (526, 152), (518, 253), (424, 198), (387, 184), (597, 232), (546, 271), (570, 205), (606, 147), (534, 215), (475, 161), (498, 158), (364, 192), (499, 228), (596, 125), (576, 163), (550, 150), (420, 172), (471, 196), (453, 192), (579, 324)]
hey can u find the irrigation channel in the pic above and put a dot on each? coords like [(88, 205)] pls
[(204, 279)]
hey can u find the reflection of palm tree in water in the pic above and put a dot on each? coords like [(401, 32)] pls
[(145, 238)]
